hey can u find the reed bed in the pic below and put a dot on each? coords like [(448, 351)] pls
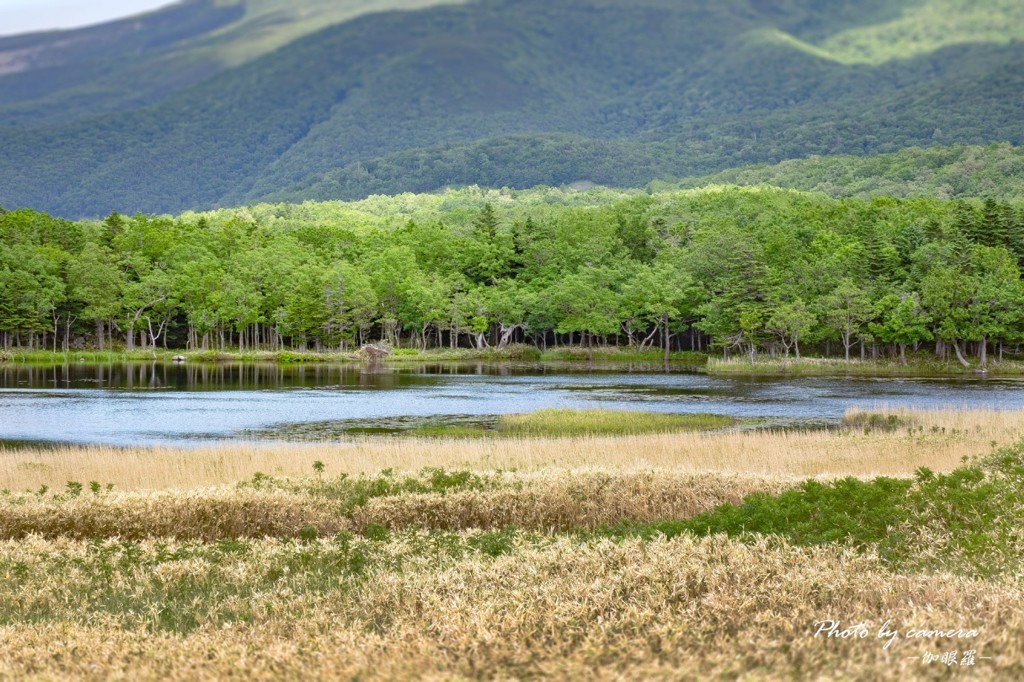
[(319, 508), (937, 439), (195, 515), (564, 502)]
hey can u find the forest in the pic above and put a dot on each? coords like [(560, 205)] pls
[(735, 271), (995, 171)]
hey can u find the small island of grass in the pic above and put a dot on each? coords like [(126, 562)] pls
[(555, 423)]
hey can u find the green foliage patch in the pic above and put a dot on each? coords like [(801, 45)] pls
[(992, 172), (816, 513), (351, 493), (969, 520)]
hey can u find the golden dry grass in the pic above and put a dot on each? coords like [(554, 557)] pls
[(559, 502), (942, 438), (548, 502), (661, 609), (196, 515)]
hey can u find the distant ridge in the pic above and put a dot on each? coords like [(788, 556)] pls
[(500, 93)]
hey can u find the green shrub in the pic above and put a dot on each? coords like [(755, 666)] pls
[(872, 422), (816, 513), (494, 543), (517, 351), (970, 520), (287, 357), (352, 493)]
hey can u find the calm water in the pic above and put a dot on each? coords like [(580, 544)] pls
[(167, 404)]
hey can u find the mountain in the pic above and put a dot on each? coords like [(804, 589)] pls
[(519, 93), (127, 64)]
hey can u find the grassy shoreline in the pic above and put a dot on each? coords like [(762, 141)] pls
[(922, 365), (916, 367), (871, 444), (401, 356)]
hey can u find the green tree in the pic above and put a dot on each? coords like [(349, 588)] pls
[(350, 302), (508, 304), (586, 302), (788, 322), (395, 277), (995, 301), (845, 311), (901, 321)]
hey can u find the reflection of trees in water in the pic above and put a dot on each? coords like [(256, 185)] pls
[(195, 376), (378, 376), (212, 377)]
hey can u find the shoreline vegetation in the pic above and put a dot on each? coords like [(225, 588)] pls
[(865, 444), (917, 364), (607, 557)]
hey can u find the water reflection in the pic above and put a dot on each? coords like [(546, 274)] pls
[(205, 377), (256, 376), (155, 403)]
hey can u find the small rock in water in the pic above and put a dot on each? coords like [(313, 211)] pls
[(179, 358)]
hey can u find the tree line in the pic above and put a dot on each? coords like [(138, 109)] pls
[(724, 269)]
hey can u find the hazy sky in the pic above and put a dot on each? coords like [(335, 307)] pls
[(21, 16)]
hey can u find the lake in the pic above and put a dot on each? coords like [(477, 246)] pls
[(162, 404)]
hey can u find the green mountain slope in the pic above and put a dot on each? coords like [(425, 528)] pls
[(62, 75), (524, 92)]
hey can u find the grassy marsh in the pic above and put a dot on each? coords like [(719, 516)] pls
[(936, 439), (286, 357), (605, 561), (477, 605), (430, 499)]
